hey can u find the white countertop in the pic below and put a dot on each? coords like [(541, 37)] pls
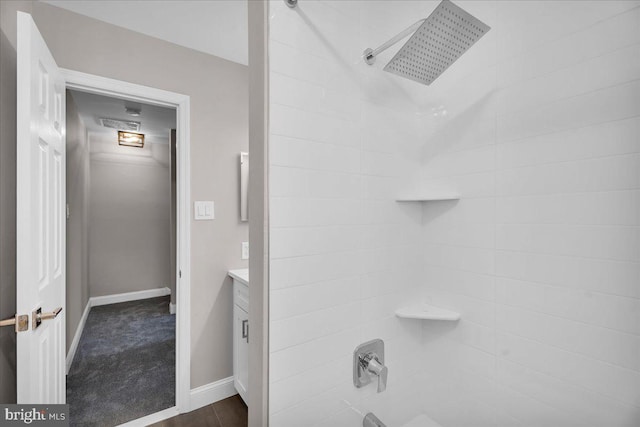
[(241, 275)]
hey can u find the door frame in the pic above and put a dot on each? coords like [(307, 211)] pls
[(144, 94)]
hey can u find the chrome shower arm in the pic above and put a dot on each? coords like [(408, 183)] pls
[(370, 54)]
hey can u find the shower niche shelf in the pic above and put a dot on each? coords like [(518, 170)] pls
[(428, 192), (427, 312), (429, 197)]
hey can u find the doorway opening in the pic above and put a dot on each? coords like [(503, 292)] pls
[(179, 162), (121, 258)]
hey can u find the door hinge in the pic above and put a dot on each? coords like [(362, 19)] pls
[(180, 274), (21, 322)]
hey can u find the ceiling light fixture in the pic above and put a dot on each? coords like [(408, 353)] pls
[(130, 139)]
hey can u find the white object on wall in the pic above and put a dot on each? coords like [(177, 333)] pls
[(244, 187), (245, 250), (203, 210)]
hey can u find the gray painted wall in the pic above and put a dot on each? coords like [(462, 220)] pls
[(218, 90), (78, 222), (128, 218)]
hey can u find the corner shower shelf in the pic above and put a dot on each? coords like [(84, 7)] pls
[(427, 312), (429, 197), (428, 192)]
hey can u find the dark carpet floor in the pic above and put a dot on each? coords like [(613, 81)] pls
[(124, 367)]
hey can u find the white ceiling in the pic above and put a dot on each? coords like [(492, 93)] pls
[(216, 27), (155, 122)]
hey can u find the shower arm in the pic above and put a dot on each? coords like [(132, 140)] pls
[(370, 54)]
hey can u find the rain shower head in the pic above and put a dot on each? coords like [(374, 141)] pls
[(437, 42)]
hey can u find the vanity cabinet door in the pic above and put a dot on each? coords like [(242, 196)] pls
[(241, 351)]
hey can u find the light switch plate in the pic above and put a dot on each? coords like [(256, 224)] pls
[(203, 211), (245, 250)]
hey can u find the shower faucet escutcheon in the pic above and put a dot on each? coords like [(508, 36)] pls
[(368, 362)]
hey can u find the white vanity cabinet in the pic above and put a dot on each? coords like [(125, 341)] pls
[(241, 332)]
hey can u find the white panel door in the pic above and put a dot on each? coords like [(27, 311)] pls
[(40, 217)]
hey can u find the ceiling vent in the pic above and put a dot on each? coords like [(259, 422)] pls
[(121, 124)]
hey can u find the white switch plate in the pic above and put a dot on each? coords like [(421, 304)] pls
[(203, 211), (245, 250)]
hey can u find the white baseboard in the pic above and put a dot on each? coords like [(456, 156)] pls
[(172, 308), (110, 299), (76, 338), (129, 296), (211, 393), (153, 418)]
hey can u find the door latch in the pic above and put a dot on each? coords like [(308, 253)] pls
[(21, 322), (38, 316)]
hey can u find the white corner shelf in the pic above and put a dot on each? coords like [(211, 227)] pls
[(429, 197), (428, 193), (427, 312)]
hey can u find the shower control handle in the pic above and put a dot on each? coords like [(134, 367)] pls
[(368, 363), (372, 365)]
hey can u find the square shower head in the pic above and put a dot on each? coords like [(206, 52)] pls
[(441, 39)]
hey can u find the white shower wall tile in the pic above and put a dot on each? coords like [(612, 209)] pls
[(615, 32), (293, 242), (618, 67), (461, 258), (600, 174), (530, 412), (589, 407), (558, 269), (462, 162), (312, 155), (541, 255), (298, 300), (600, 140), (311, 411), (309, 326), (587, 274), (304, 270), (297, 93), (599, 106), (534, 24), (470, 284), (318, 29), (466, 333), (617, 383), (592, 208), (299, 123), (343, 254), (601, 242), (298, 388), (608, 311), (602, 344), (295, 360)]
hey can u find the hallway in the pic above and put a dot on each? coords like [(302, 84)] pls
[(124, 367)]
